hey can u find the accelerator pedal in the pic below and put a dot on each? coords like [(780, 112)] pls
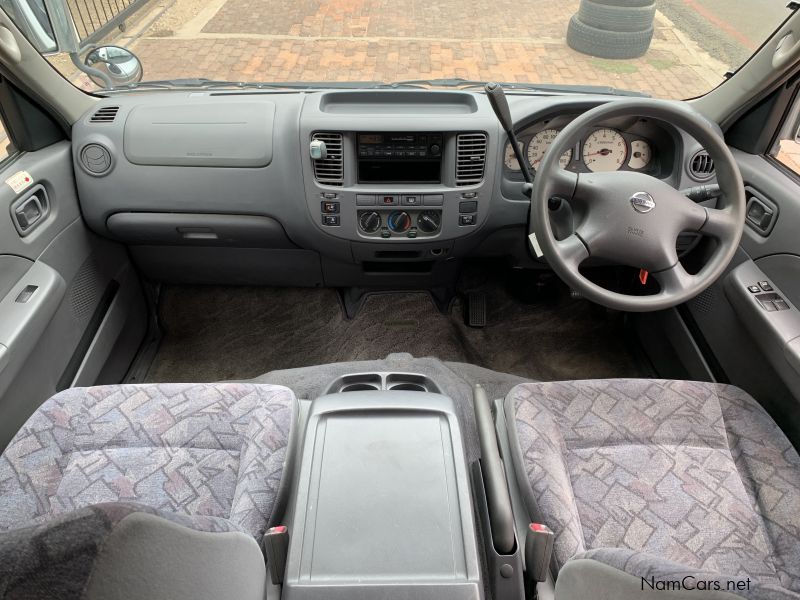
[(476, 309)]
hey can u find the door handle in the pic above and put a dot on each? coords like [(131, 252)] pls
[(761, 214)]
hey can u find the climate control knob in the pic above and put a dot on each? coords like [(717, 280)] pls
[(429, 221), (369, 222), (399, 221)]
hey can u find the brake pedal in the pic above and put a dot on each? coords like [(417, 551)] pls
[(476, 309)]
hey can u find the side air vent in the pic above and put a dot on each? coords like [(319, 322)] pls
[(96, 159), (329, 170), (701, 167), (107, 114), (470, 158)]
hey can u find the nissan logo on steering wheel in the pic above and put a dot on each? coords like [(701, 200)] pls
[(642, 202)]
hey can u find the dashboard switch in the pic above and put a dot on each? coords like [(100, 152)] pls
[(470, 206), (387, 200), (330, 220), (433, 199), (330, 207), (464, 220), (411, 200), (365, 199)]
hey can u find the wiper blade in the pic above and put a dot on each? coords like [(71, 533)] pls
[(551, 88), (202, 83)]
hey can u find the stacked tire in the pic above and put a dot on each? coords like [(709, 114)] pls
[(614, 29)]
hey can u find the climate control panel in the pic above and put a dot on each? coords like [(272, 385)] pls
[(408, 223)]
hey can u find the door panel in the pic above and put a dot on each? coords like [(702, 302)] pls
[(70, 302)]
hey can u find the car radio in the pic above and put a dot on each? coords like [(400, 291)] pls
[(399, 157)]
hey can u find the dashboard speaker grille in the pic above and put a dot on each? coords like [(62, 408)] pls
[(330, 170), (470, 158), (107, 114), (701, 166)]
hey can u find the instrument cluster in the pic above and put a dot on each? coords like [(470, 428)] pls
[(618, 146)]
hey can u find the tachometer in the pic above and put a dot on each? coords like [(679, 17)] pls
[(604, 150), (640, 154), (539, 145), (511, 159)]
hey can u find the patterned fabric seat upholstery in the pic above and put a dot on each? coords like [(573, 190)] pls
[(204, 450), (661, 477)]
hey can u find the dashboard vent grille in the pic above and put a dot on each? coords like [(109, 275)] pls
[(330, 170), (701, 166), (107, 114), (470, 158)]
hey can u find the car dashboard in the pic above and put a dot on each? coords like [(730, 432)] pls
[(340, 187)]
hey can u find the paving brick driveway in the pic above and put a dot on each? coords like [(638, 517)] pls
[(388, 40)]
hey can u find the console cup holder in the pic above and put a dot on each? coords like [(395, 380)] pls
[(371, 382), (359, 387)]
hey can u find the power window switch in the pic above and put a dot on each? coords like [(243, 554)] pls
[(754, 289), (769, 305), (764, 285), (781, 304)]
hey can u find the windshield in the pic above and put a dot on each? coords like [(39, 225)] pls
[(666, 48)]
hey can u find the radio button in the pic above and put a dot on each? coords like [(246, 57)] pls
[(433, 199)]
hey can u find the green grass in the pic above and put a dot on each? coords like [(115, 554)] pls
[(614, 66), (662, 64)]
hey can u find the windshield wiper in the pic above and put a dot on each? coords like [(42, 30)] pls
[(202, 83), (551, 88)]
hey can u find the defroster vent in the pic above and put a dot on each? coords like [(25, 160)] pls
[(106, 114)]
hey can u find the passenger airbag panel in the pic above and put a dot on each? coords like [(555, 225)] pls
[(206, 134)]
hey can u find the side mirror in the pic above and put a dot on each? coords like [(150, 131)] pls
[(118, 65)]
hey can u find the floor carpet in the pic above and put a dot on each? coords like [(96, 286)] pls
[(215, 333)]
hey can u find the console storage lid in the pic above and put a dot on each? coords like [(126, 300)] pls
[(383, 507)]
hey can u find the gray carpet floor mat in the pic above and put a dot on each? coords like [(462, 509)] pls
[(214, 333)]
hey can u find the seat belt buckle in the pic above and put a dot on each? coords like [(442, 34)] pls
[(538, 551), (276, 547)]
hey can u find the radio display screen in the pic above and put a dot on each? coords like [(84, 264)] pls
[(399, 157)]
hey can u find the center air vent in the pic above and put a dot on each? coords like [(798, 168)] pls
[(329, 170), (701, 167), (470, 158), (107, 114)]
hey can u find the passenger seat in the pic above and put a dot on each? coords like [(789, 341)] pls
[(145, 485)]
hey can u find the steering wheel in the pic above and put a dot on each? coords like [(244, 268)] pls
[(634, 219)]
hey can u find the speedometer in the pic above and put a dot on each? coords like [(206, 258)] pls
[(604, 150), (539, 145)]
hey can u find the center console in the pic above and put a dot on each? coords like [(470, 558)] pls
[(383, 508)]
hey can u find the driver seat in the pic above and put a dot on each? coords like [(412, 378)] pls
[(653, 485)]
